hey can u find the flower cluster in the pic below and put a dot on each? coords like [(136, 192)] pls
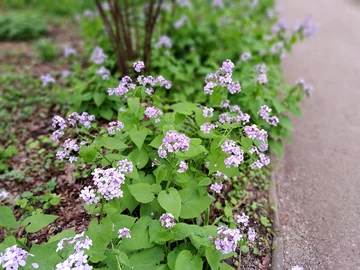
[(125, 166), (227, 239), (152, 112), (88, 195), (262, 161), (68, 51), (4, 194), (264, 113), (84, 119), (182, 167), (98, 56), (218, 4), (243, 219), (164, 41), (308, 88), (150, 81), (14, 257), (208, 112), (108, 182), (138, 66), (237, 155), (173, 143), (246, 56), (46, 80), (235, 115), (104, 73), (216, 187), (181, 22), (124, 232), (167, 220), (115, 126), (222, 77), (77, 259), (207, 127), (124, 86)]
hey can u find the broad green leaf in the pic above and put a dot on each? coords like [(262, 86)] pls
[(113, 143), (285, 122), (99, 98), (37, 222), (192, 204), (276, 146), (64, 234), (121, 221), (147, 259), (195, 149), (161, 172), (7, 242), (134, 105), (171, 258), (88, 153), (139, 157), (142, 192), (106, 112), (171, 201), (213, 257), (7, 217), (225, 266), (186, 108), (140, 238), (138, 136), (188, 261), (157, 141), (100, 234), (44, 255)]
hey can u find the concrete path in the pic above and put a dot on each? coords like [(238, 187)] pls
[(319, 191)]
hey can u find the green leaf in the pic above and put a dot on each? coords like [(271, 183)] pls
[(106, 112), (88, 153), (157, 141), (265, 221), (213, 257), (44, 255), (37, 222), (192, 204), (100, 234), (171, 258), (99, 98), (147, 258), (171, 201), (138, 136), (225, 266), (140, 238), (113, 143), (161, 173), (7, 217), (64, 234), (121, 221), (139, 157), (134, 105), (186, 108), (276, 146), (285, 122), (185, 260), (142, 192)]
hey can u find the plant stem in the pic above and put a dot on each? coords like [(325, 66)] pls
[(17, 240)]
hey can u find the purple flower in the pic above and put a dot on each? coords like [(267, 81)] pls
[(167, 220), (246, 56), (221, 175), (65, 73), (183, 3), (124, 232), (124, 86), (181, 22), (276, 48), (225, 103), (208, 112), (115, 126), (182, 167), (4, 194), (264, 113), (251, 234), (68, 51), (58, 121), (125, 166), (227, 239), (88, 195), (244, 219), (138, 66), (84, 119), (77, 259), (227, 66), (216, 187), (261, 68), (155, 162), (98, 56), (173, 143), (164, 41), (308, 88), (207, 127), (104, 73), (262, 78), (47, 79), (218, 4), (208, 89), (152, 112), (108, 182), (14, 257), (236, 154)]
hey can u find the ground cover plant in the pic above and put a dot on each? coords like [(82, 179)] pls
[(147, 168)]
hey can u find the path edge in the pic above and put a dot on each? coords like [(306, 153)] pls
[(277, 260)]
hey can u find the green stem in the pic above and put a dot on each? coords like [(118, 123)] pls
[(17, 240), (102, 208)]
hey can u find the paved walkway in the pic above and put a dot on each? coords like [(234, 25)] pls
[(319, 192)]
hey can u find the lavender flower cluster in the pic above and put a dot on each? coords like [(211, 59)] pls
[(227, 239), (235, 152), (14, 257), (167, 220), (164, 42), (235, 115), (104, 73), (152, 112), (98, 56), (264, 113), (124, 233), (77, 259), (115, 126), (47, 79), (173, 143), (217, 187), (222, 77), (69, 51)]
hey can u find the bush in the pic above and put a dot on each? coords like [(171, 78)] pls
[(46, 50), (20, 27)]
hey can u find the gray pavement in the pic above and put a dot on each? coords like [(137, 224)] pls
[(319, 183)]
